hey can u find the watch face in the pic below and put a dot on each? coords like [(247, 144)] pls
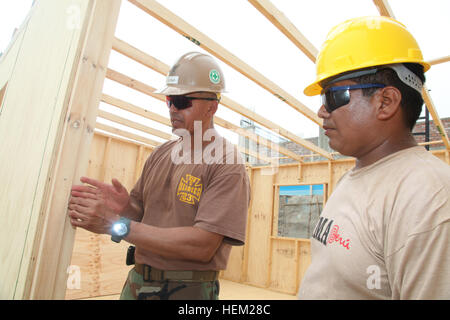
[(119, 228)]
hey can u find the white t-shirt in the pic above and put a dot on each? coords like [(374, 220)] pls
[(384, 233)]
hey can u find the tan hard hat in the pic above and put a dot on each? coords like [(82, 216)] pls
[(194, 72)]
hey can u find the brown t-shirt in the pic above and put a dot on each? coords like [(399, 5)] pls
[(384, 233), (213, 196)]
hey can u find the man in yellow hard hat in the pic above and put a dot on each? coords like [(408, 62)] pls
[(190, 204), (384, 233)]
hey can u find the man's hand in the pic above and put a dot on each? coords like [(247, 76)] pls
[(95, 207)]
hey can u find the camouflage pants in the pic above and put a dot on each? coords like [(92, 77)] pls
[(136, 288)]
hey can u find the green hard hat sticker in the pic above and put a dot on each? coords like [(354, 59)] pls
[(214, 76)]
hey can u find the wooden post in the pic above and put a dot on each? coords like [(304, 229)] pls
[(247, 232)]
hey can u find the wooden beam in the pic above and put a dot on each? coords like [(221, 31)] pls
[(131, 83), (437, 121), (279, 20), (179, 25), (439, 60), (140, 56), (136, 110), (430, 143), (128, 135), (384, 8), (162, 68), (135, 125)]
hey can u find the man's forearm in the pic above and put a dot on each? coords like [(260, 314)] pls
[(185, 243)]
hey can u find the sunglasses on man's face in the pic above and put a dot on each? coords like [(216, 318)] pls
[(336, 97), (183, 102)]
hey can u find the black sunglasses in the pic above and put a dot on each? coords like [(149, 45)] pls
[(183, 102), (336, 97)]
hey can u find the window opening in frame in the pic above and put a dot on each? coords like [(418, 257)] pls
[(299, 210)]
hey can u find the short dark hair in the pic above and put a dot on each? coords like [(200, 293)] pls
[(412, 100)]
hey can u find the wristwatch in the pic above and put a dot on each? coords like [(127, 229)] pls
[(120, 229)]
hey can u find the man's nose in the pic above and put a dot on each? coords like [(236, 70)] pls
[(323, 113), (172, 108)]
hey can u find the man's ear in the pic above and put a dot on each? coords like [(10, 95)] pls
[(388, 102), (212, 108)]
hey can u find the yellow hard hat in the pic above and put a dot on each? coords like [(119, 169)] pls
[(194, 72), (362, 43)]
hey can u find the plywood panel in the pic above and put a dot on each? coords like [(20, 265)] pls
[(96, 161), (101, 261), (86, 257), (121, 163), (112, 270), (283, 270), (234, 267), (304, 260)]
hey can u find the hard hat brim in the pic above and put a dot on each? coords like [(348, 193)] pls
[(176, 91), (315, 88)]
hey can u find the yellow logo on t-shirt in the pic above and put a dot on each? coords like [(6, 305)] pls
[(189, 189)]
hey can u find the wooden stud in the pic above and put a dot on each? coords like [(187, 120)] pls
[(140, 56), (136, 110), (297, 262), (439, 60), (105, 159), (128, 135), (131, 83), (384, 8), (139, 163), (135, 125), (135, 142), (247, 232), (299, 172)]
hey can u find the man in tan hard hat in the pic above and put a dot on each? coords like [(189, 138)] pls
[(190, 204), (384, 232)]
